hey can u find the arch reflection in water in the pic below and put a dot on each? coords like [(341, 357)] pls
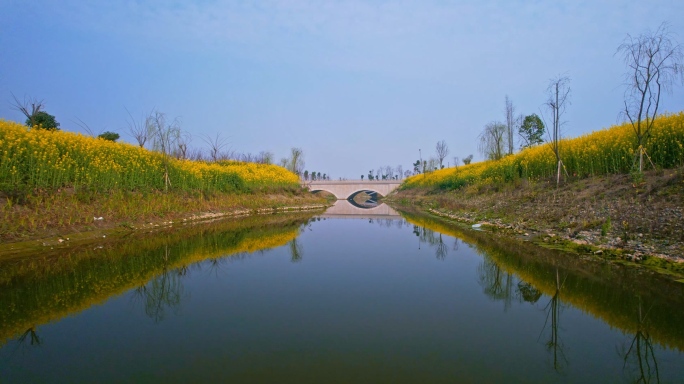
[(344, 208)]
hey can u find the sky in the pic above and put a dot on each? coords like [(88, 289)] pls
[(355, 84)]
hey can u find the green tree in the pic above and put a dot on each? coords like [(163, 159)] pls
[(531, 131), (468, 159), (44, 120), (32, 109), (111, 136)]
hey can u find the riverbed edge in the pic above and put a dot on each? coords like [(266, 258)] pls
[(112, 230), (662, 264)]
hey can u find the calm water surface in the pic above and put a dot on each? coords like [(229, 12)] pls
[(337, 298)]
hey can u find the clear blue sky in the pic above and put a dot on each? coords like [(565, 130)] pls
[(355, 84)]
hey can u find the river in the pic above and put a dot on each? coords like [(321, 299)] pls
[(350, 295)]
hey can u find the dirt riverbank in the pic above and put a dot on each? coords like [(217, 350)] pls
[(52, 219), (620, 217)]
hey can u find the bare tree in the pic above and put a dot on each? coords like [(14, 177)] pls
[(85, 127), (182, 144), (216, 145), (29, 107), (389, 171), (655, 62), (400, 171), (139, 129), (442, 150), (559, 99), (510, 124), (295, 163), (432, 164), (165, 136), (196, 154), (493, 141), (457, 161), (265, 157)]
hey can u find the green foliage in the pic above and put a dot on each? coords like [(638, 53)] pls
[(605, 227), (467, 160), (232, 182), (43, 120), (111, 136), (532, 130)]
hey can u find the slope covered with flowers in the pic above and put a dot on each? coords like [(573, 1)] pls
[(608, 151), (33, 158)]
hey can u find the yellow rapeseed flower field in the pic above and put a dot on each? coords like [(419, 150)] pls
[(35, 158), (608, 151)]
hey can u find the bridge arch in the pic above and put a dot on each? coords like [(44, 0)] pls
[(351, 194), (344, 189)]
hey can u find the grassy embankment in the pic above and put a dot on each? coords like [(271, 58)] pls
[(57, 182), (603, 204)]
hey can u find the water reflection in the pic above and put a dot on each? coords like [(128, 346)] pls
[(364, 199), (555, 344), (609, 292), (496, 283), (46, 288), (321, 305), (296, 251), (32, 337), (528, 292), (435, 240), (345, 209), (164, 291), (640, 356)]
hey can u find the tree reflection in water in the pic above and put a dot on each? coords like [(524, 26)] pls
[(528, 292), (496, 284), (31, 335), (164, 292), (441, 250), (434, 239), (296, 251), (640, 354), (553, 310)]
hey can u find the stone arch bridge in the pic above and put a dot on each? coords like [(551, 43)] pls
[(347, 188)]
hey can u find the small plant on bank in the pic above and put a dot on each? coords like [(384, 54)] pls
[(625, 230), (605, 227)]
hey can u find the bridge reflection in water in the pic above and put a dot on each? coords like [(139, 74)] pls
[(345, 209)]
